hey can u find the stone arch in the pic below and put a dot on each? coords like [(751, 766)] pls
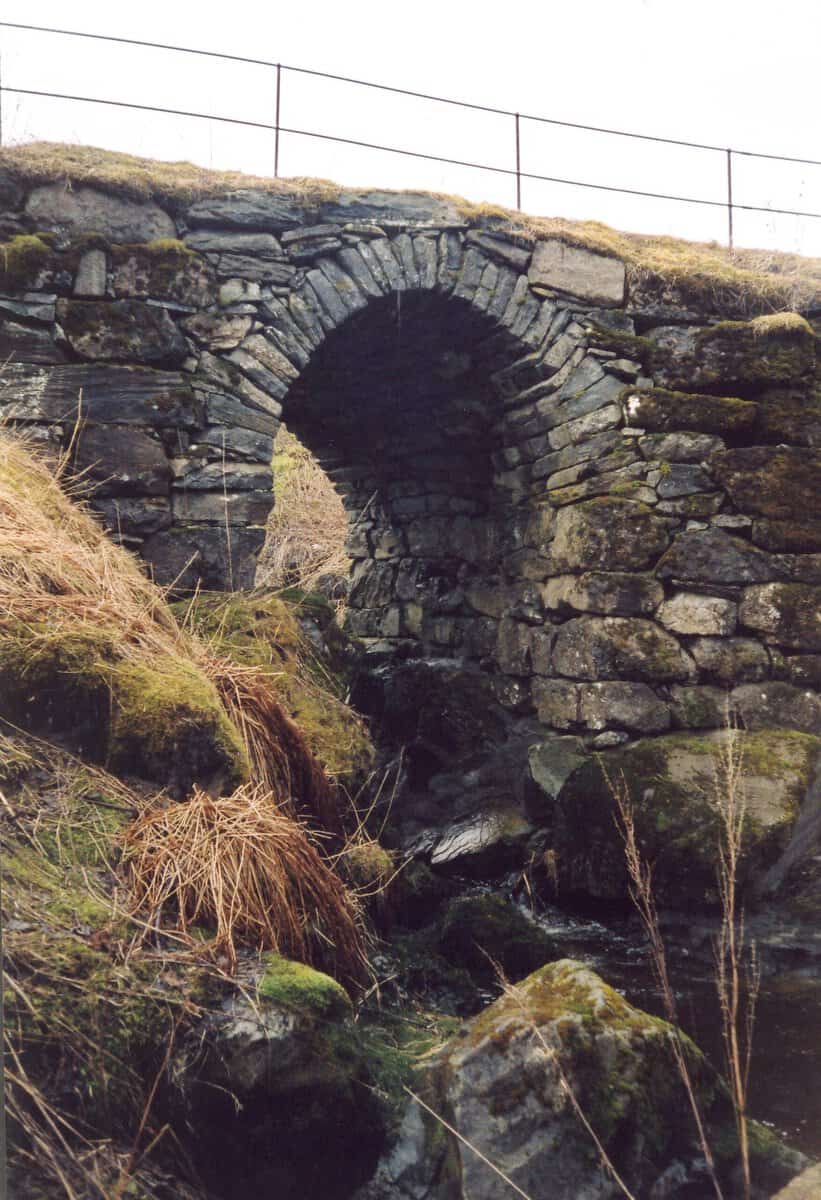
[(622, 525), (398, 352)]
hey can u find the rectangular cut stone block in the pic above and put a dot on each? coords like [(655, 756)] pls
[(691, 613), (633, 706), (577, 272), (91, 274), (110, 394), (557, 702), (228, 508), (228, 410)]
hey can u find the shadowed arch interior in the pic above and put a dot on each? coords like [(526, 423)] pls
[(398, 406)]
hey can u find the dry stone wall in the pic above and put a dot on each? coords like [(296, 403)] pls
[(602, 499)]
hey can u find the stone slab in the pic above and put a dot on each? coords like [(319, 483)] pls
[(578, 272)]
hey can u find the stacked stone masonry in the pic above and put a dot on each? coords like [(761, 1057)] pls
[(608, 505)]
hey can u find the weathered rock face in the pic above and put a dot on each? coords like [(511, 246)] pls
[(272, 1075), (676, 787), (505, 1082), (605, 527)]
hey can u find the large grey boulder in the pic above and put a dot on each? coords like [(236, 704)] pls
[(511, 1079), (674, 784), (276, 1071)]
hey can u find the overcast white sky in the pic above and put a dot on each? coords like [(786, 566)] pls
[(740, 73)]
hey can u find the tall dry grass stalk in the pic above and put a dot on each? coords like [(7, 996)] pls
[(641, 893), (243, 866), (737, 985)]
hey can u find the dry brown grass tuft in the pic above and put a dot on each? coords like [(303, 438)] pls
[(57, 565), (146, 178), (308, 526), (280, 758), (243, 866), (61, 575)]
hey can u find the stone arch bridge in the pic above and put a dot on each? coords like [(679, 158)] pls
[(584, 480)]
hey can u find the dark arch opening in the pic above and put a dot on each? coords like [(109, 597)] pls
[(399, 407)]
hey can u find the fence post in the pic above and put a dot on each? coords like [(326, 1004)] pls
[(518, 167), (276, 123), (730, 196)]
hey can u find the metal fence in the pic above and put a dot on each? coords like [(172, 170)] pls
[(516, 172)]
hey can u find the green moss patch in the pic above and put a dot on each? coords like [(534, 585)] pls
[(23, 260), (160, 719), (263, 630), (301, 989)]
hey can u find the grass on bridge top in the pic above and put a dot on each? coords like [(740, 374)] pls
[(746, 281)]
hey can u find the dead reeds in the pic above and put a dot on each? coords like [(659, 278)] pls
[(308, 526), (280, 759), (736, 974), (248, 870)]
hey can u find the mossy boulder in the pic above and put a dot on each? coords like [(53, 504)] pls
[(676, 787), (271, 1076), (486, 933), (159, 719), (508, 1083)]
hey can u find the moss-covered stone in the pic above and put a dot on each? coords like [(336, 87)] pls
[(619, 648), (515, 1078), (609, 533), (161, 719), (301, 989), (25, 263), (264, 630), (786, 613), (677, 788), (756, 352), (625, 344), (168, 724), (744, 356), (486, 933), (780, 482), (164, 269), (663, 411), (122, 331)]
